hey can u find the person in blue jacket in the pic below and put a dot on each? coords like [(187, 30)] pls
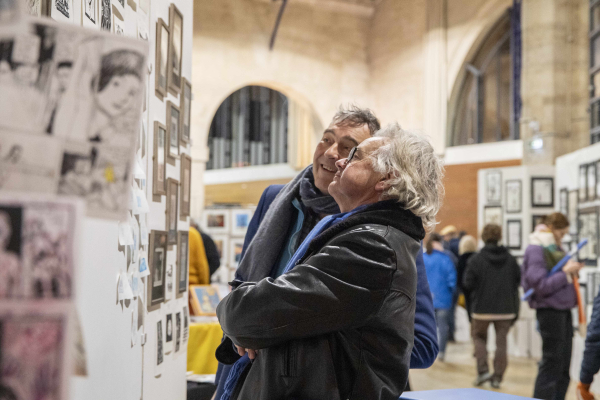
[(591, 356), (441, 276), (286, 214)]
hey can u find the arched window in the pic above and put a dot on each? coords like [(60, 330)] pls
[(485, 109), (249, 128)]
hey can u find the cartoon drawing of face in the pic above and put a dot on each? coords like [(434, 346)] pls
[(117, 97)]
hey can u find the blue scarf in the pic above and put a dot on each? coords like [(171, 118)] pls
[(326, 223)]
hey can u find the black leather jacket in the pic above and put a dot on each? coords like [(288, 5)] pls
[(340, 324)]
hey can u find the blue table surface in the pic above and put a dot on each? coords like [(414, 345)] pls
[(459, 394)]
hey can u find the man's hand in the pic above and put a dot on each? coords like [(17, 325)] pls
[(251, 353), (583, 392)]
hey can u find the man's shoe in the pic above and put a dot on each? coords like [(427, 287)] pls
[(495, 383), (482, 378)]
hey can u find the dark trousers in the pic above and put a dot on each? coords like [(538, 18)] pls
[(553, 377), (479, 331)]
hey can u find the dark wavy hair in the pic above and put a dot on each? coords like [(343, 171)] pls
[(120, 63)]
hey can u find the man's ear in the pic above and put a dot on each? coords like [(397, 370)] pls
[(384, 183)]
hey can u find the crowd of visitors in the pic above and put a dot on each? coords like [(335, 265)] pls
[(486, 282)]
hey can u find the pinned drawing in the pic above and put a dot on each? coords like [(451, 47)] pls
[(90, 9), (106, 15)]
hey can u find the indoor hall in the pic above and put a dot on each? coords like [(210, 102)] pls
[(263, 199)]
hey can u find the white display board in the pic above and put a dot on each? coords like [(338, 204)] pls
[(117, 368)]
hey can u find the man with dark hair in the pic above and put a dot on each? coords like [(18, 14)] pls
[(492, 279), (286, 214)]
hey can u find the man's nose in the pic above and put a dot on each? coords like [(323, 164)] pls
[(341, 164), (332, 152)]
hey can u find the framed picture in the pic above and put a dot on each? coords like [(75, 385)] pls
[(235, 251), (514, 195), (186, 182), (186, 111), (542, 192), (173, 129), (162, 58), (572, 205), (169, 333), (564, 202), (105, 15), (175, 50), (597, 164), (513, 234), (159, 171), (216, 220), (583, 183), (91, 7), (204, 299), (158, 263), (537, 220), (160, 355), (222, 243), (240, 219), (493, 187), (172, 202), (492, 215), (588, 229), (182, 262), (591, 182)]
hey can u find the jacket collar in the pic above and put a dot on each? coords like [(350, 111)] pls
[(387, 212)]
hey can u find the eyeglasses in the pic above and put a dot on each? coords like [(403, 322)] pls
[(351, 155)]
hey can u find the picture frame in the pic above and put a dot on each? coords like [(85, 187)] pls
[(493, 187), (158, 266), (514, 196), (105, 15), (159, 160), (173, 129), (240, 219), (563, 202), (588, 229), (492, 215), (171, 211), (583, 183), (222, 243), (90, 10), (204, 300), (235, 252), (185, 106), (175, 50), (183, 259), (216, 220), (573, 207), (186, 182), (542, 192), (514, 233), (163, 34), (591, 181), (536, 219)]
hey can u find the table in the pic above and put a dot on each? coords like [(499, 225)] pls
[(204, 338), (459, 394)]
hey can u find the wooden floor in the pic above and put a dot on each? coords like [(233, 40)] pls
[(458, 371)]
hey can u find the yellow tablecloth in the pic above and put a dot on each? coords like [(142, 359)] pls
[(204, 338)]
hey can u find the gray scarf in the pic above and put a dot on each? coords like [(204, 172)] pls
[(264, 249)]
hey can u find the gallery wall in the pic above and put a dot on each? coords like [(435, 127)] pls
[(120, 335)]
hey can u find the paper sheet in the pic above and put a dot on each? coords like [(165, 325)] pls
[(135, 228), (159, 352), (169, 333), (124, 288), (125, 234), (142, 202), (143, 265), (144, 238), (138, 170)]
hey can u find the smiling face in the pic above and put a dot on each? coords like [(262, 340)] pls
[(336, 143), (119, 95), (356, 183)]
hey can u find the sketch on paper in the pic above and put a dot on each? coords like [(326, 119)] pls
[(34, 7), (64, 7), (159, 343), (32, 360), (182, 261), (159, 164), (118, 25), (169, 334), (177, 331), (186, 316), (36, 249), (90, 10), (74, 97), (106, 17)]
